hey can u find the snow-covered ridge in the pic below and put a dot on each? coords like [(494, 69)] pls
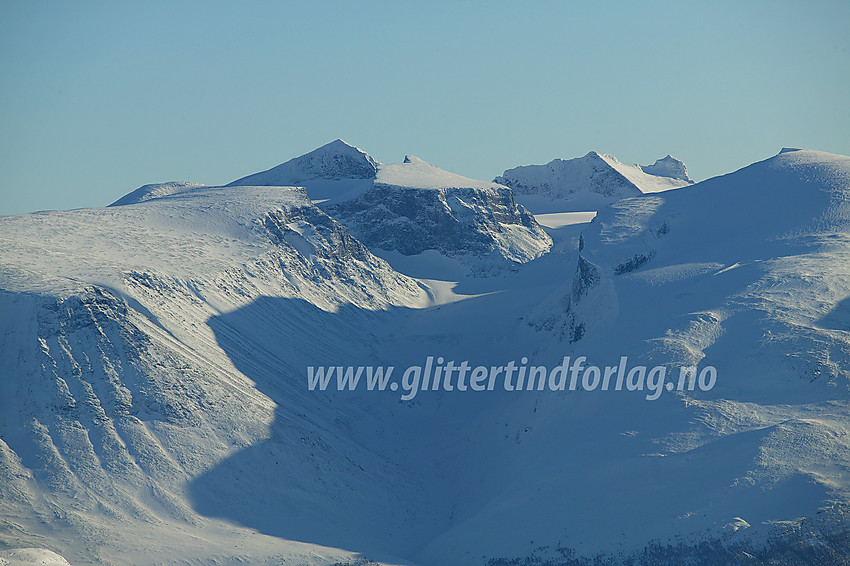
[(597, 178), (333, 161), (413, 206), (156, 190), (338, 171), (416, 173), (191, 235)]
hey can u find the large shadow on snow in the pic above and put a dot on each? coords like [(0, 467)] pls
[(838, 318), (327, 474), (349, 470)]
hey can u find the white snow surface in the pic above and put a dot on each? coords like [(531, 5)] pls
[(418, 174), (153, 406), (561, 219), (156, 190), (31, 557)]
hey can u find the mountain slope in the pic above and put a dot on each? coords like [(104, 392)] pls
[(156, 190), (669, 167), (747, 273), (336, 171), (116, 392)]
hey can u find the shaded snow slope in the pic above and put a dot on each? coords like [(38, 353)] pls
[(591, 181)]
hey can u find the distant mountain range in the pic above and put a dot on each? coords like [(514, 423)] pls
[(154, 404), (591, 181)]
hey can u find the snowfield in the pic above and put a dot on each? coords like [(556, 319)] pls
[(154, 405)]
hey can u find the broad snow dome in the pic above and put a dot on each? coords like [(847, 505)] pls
[(416, 173)]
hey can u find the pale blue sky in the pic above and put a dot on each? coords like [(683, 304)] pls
[(98, 98)]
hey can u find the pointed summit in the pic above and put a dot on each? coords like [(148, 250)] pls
[(668, 167), (334, 161)]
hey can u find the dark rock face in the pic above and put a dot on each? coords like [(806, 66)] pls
[(454, 222)]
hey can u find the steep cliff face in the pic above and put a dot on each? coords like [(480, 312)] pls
[(479, 224)]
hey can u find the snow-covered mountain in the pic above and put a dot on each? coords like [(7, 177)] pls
[(154, 405), (748, 273), (668, 167), (591, 181), (116, 391), (413, 207), (334, 172)]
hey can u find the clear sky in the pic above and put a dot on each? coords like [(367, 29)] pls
[(98, 98)]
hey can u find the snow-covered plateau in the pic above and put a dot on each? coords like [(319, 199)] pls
[(154, 400)]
